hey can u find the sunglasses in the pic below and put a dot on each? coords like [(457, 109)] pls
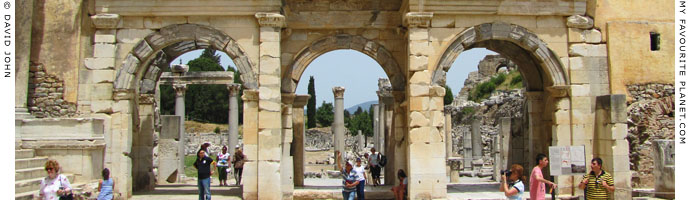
[(49, 168)]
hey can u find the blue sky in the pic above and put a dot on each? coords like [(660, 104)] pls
[(358, 73)]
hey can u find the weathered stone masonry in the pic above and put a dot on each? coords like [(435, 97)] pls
[(46, 95)]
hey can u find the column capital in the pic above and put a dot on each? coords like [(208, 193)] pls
[(270, 20), (418, 19), (105, 21), (180, 89), (338, 92), (234, 88), (300, 101), (250, 95)]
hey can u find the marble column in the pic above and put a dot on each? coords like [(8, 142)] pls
[(476, 140), (180, 90), (233, 116), (339, 120), (448, 127), (377, 124), (298, 138), (467, 151), (360, 141), (380, 139)]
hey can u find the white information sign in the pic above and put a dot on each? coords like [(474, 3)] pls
[(567, 160)]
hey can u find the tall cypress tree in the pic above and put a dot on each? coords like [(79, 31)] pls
[(311, 105)]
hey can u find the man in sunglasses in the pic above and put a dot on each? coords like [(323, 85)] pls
[(598, 184)]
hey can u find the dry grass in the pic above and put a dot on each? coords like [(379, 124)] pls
[(199, 127)]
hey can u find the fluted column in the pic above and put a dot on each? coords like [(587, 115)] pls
[(180, 90), (233, 115), (339, 120), (298, 138)]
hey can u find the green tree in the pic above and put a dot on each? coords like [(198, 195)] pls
[(205, 103), (361, 121), (311, 104), (324, 115), (448, 99)]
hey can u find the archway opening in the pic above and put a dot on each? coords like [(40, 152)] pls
[(340, 68)]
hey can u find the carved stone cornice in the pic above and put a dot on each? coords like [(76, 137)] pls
[(418, 19), (300, 101), (105, 21), (287, 98), (270, 20), (234, 89), (180, 89), (338, 92), (250, 95), (558, 91), (146, 99), (534, 96)]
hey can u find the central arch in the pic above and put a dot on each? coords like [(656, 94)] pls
[(343, 41)]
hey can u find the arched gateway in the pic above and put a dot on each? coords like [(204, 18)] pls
[(128, 43)]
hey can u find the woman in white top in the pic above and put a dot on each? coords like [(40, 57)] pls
[(222, 160), (361, 177), (55, 184), (515, 189)]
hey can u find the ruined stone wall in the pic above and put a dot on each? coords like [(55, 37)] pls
[(650, 117), (46, 95)]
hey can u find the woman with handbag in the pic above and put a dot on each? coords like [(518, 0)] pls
[(238, 163), (55, 186)]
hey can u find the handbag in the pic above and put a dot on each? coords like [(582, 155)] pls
[(69, 196)]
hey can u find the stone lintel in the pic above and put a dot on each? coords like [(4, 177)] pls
[(338, 92), (271, 19), (250, 95), (234, 88), (418, 19), (105, 21), (217, 78), (558, 91), (300, 101)]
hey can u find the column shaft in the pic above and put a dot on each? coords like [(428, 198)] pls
[(180, 90), (339, 120), (298, 138), (476, 140), (382, 127), (377, 124), (233, 116)]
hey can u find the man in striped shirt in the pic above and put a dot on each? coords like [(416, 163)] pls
[(598, 184)]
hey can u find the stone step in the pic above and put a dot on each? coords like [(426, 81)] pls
[(31, 173), (27, 163), (26, 195), (24, 153), (31, 194), (32, 184)]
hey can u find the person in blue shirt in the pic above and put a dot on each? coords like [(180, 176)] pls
[(350, 181), (106, 186)]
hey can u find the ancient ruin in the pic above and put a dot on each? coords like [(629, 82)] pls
[(88, 73)]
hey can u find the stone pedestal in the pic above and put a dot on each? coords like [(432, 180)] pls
[(664, 168), (168, 152), (339, 121)]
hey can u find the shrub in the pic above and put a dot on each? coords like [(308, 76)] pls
[(217, 130), (516, 80)]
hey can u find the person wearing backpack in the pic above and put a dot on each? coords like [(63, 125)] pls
[(374, 159)]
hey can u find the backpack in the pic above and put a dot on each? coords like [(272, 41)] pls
[(382, 160)]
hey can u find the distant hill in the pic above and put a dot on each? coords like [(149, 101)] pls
[(365, 106)]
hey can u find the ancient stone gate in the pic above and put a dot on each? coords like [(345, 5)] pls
[(562, 57)]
